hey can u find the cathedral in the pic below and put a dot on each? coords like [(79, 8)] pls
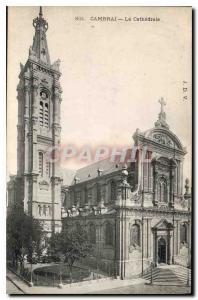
[(136, 213)]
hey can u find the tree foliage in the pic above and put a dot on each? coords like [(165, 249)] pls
[(24, 237), (72, 244)]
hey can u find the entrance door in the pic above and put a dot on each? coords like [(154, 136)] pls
[(161, 251)]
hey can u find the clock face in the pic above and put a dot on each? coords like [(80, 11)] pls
[(43, 95)]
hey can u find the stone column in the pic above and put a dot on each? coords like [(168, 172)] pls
[(118, 246), (98, 238), (33, 154), (33, 208), (26, 147), (155, 248), (147, 238), (26, 124), (126, 237), (178, 237), (57, 100), (34, 95), (171, 191), (27, 96), (181, 177), (169, 248), (56, 125), (189, 234), (55, 179), (56, 105), (155, 173), (26, 194), (34, 125)]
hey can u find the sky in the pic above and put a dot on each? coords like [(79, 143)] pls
[(113, 73)]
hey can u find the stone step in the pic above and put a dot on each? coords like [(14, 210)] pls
[(169, 276)]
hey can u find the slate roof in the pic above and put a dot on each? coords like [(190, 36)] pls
[(91, 171)]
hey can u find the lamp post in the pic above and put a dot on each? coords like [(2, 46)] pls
[(31, 269), (31, 277), (60, 285)]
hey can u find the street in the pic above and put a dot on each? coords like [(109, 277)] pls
[(11, 289), (147, 289)]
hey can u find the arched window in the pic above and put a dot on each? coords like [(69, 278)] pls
[(44, 110), (92, 233), (89, 195), (44, 210), (135, 235), (40, 163), (162, 190), (49, 210), (183, 233), (46, 116), (99, 192), (77, 197), (41, 113), (113, 191), (39, 210), (109, 234)]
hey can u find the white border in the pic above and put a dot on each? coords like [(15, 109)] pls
[(3, 4)]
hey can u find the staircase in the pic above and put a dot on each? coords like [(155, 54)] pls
[(170, 275)]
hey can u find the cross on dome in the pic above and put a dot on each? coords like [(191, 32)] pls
[(162, 103), (161, 122)]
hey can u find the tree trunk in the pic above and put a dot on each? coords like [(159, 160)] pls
[(70, 270)]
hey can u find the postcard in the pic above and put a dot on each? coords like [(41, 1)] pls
[(99, 150)]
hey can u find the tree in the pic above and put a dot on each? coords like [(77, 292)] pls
[(24, 237), (73, 244)]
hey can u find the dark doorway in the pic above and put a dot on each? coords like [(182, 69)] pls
[(161, 251)]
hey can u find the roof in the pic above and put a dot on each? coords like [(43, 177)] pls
[(105, 166), (91, 171)]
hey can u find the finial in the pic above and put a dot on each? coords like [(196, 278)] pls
[(76, 179), (99, 171), (40, 22), (124, 171), (39, 50), (161, 122), (162, 103), (187, 186), (40, 12)]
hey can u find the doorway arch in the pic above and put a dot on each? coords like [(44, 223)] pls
[(162, 251)]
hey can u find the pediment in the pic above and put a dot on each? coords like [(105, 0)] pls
[(164, 137), (161, 137), (163, 225)]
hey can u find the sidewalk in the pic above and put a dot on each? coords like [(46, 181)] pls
[(74, 288)]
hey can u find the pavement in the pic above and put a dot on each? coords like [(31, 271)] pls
[(91, 286), (12, 289), (100, 286), (143, 289)]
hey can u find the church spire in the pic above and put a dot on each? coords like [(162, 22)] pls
[(161, 122), (39, 50), (40, 12)]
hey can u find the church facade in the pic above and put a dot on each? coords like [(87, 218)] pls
[(136, 213)]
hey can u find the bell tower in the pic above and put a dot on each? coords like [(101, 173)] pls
[(39, 100)]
